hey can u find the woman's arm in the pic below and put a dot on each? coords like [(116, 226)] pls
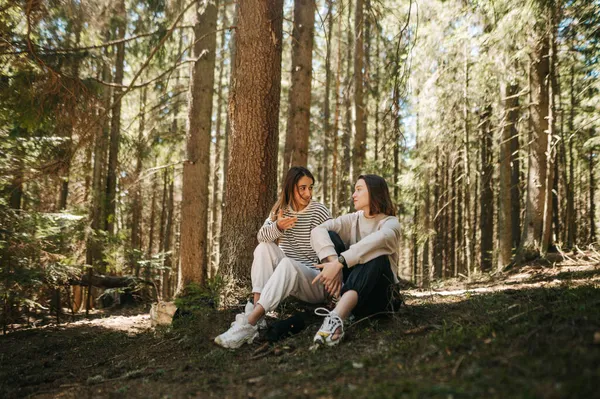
[(319, 236), (384, 241), (269, 232)]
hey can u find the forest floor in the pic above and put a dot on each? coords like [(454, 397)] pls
[(532, 332)]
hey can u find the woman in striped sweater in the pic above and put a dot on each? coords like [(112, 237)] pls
[(284, 259)]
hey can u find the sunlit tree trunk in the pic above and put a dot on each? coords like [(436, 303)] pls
[(196, 168), (254, 113)]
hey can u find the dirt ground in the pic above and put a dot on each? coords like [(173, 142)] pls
[(534, 332)]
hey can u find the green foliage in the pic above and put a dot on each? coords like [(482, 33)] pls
[(32, 251), (196, 297)]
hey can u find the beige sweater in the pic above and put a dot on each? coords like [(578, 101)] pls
[(365, 238)]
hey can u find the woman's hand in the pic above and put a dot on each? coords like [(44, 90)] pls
[(330, 276), (284, 223)]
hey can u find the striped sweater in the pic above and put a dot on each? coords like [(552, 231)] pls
[(295, 242)]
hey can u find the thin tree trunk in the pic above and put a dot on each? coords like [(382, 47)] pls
[(196, 168), (486, 197), (467, 171), (345, 177), (360, 127), (115, 123), (427, 226), (336, 123), (166, 283), (571, 230), (136, 212), (254, 113), (214, 222), (551, 123), (592, 191), (506, 191), (512, 107), (437, 248), (94, 247), (326, 106)]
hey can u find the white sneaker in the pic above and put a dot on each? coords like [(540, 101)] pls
[(262, 323), (331, 323), (239, 333)]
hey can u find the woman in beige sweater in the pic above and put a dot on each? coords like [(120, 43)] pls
[(364, 273)]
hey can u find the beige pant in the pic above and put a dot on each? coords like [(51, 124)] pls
[(276, 277)]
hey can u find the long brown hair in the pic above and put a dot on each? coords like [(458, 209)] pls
[(379, 195), (286, 197)]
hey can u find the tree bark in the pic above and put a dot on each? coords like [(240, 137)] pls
[(254, 114), (298, 125), (196, 168)]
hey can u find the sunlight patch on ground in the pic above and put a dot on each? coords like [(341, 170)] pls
[(502, 287), (130, 324)]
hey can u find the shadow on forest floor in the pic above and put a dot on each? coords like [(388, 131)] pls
[(540, 338)]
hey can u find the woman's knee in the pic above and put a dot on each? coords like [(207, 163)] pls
[(264, 248)]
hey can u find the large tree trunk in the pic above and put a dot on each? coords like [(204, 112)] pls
[(360, 122), (486, 197), (196, 168), (298, 125), (531, 239), (505, 194), (115, 124), (254, 113)]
